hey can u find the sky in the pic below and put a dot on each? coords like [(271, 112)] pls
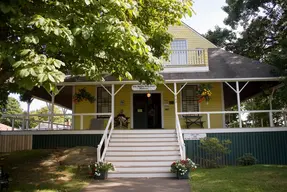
[(208, 14)]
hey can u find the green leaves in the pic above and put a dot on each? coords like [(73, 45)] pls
[(31, 39), (124, 38)]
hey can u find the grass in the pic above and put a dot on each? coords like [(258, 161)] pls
[(257, 178), (37, 171)]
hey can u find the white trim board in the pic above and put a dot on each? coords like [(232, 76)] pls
[(52, 132), (82, 132), (187, 69), (177, 81), (234, 130)]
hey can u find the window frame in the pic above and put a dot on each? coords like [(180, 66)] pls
[(181, 98), (109, 101)]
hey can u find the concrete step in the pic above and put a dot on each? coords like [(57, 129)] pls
[(142, 169), (146, 164), (153, 131), (131, 139), (141, 153), (150, 148), (140, 175), (136, 135), (142, 158), (153, 144)]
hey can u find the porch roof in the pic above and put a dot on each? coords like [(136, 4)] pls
[(223, 66)]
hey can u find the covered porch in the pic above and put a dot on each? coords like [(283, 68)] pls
[(174, 103)]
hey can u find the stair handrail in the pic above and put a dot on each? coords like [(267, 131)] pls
[(180, 138), (106, 139)]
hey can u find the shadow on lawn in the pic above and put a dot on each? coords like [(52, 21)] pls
[(37, 170)]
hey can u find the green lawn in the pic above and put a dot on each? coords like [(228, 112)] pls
[(37, 171), (257, 178)]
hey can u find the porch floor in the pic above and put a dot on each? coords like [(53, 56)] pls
[(140, 185)]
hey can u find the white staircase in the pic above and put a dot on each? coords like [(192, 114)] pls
[(142, 153)]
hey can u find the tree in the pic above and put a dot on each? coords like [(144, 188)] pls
[(12, 107), (221, 37), (35, 120), (263, 38), (42, 41)]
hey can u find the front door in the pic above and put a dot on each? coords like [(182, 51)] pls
[(147, 111)]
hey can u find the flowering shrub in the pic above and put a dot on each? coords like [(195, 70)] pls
[(100, 167), (204, 92), (83, 95), (182, 166)]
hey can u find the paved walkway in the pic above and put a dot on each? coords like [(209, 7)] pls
[(139, 185)]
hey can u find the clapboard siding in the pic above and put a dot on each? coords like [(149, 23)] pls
[(9, 143)]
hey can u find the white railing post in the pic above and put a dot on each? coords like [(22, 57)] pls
[(208, 120), (52, 110), (23, 123), (82, 122), (175, 102), (98, 153), (13, 123), (238, 104), (113, 104), (271, 119)]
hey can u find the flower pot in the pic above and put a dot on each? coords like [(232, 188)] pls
[(102, 176), (184, 176)]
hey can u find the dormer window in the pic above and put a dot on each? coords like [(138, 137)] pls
[(178, 52)]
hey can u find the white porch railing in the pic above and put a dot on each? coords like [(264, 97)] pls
[(186, 57), (105, 139), (209, 113), (24, 118), (180, 139)]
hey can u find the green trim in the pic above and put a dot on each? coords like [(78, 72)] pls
[(65, 141)]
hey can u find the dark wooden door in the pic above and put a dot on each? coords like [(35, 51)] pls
[(140, 117)]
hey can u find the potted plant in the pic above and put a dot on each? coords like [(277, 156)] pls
[(204, 92), (100, 170), (182, 168)]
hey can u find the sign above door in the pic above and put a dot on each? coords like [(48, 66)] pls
[(144, 87)]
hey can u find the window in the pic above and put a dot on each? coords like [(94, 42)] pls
[(179, 52), (189, 99), (103, 101)]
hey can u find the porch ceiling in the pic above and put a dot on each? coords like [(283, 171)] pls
[(64, 98), (252, 89)]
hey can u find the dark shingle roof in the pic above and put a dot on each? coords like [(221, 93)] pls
[(223, 64)]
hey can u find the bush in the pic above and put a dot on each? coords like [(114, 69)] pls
[(246, 159), (214, 150)]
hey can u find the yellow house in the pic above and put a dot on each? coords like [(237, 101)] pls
[(194, 63), (142, 129)]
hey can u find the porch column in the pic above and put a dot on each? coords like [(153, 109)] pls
[(113, 104), (238, 91), (53, 95), (271, 108), (52, 109), (238, 104), (175, 102)]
